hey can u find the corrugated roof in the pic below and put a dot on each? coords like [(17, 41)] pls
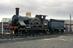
[(68, 22), (6, 20)]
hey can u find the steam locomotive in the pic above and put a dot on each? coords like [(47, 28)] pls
[(33, 26)]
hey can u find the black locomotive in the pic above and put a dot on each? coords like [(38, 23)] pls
[(33, 26)]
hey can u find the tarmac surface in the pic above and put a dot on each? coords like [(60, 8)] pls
[(51, 41)]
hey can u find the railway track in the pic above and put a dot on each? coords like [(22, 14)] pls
[(9, 36)]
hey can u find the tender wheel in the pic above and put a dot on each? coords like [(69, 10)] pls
[(62, 31)]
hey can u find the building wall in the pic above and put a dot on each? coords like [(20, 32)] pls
[(5, 27), (67, 25)]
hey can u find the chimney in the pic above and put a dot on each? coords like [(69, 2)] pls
[(17, 11)]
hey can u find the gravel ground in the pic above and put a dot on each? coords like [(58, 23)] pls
[(54, 41)]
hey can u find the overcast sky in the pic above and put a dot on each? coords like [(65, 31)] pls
[(58, 9)]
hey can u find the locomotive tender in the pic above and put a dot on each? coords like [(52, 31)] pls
[(56, 26), (32, 26)]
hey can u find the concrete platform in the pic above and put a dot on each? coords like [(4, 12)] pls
[(53, 41)]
